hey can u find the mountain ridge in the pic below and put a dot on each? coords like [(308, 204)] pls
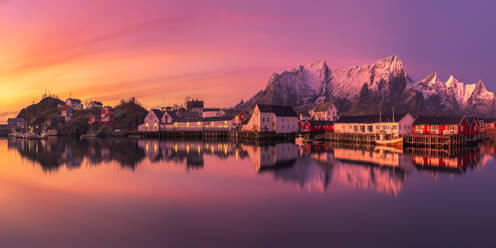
[(373, 88)]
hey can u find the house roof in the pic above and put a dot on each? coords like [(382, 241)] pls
[(370, 118), (172, 114), (211, 109), (194, 104), (96, 102), (15, 119), (73, 100), (438, 120), (323, 107), (222, 118), (158, 113), (315, 122), (278, 110)]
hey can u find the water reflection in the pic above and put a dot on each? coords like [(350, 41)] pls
[(313, 168)]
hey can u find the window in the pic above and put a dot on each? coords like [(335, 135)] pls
[(395, 127), (377, 127), (355, 128), (369, 128), (362, 129)]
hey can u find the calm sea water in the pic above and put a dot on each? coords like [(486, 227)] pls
[(150, 193)]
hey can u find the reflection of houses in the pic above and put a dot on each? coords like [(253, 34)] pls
[(446, 162), (278, 155), (321, 170), (189, 153), (376, 157)]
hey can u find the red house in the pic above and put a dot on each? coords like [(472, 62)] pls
[(442, 125), (474, 126), (316, 126)]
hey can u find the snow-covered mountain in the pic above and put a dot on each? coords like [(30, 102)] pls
[(455, 97), (359, 89), (369, 88)]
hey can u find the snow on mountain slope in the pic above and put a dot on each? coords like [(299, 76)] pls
[(462, 90), (348, 82), (369, 88)]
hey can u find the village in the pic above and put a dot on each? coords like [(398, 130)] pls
[(270, 123)]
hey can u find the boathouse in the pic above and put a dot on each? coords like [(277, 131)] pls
[(152, 121), (316, 126), (442, 125), (398, 124), (326, 111)]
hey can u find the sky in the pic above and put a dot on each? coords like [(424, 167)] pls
[(222, 51)]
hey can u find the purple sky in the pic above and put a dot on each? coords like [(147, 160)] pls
[(224, 50)]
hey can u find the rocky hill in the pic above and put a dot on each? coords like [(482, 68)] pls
[(36, 113)]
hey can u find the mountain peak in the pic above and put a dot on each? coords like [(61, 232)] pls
[(452, 82), (391, 64)]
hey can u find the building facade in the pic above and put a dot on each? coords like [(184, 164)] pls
[(75, 104), (399, 124), (326, 111), (272, 118), (13, 123), (442, 125), (152, 121), (316, 126), (94, 104)]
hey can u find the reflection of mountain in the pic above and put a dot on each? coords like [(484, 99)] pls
[(347, 167), (319, 168)]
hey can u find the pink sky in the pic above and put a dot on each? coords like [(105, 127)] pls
[(221, 51)]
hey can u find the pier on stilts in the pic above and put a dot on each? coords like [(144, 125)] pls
[(435, 141), (351, 138)]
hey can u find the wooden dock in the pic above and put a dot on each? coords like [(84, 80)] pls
[(435, 141), (351, 138), (261, 137), (208, 135)]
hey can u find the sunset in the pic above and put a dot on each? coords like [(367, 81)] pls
[(224, 51), (263, 123)]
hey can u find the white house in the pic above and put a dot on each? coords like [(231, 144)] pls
[(94, 104), (210, 112), (66, 112), (399, 124), (74, 103), (326, 111), (152, 121), (272, 118), (15, 122)]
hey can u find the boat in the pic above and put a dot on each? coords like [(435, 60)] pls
[(300, 139), (392, 141)]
